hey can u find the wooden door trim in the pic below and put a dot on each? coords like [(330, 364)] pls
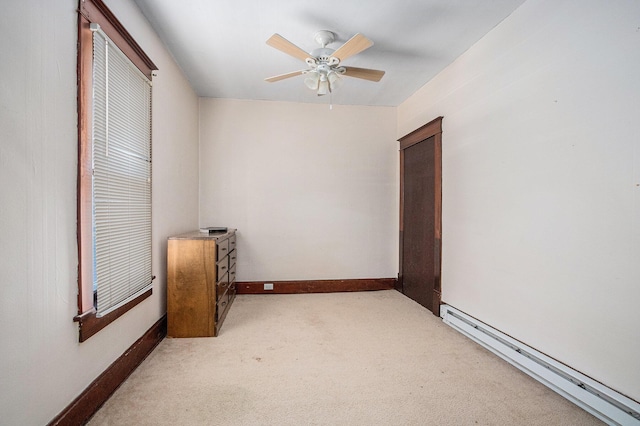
[(431, 129), (400, 281)]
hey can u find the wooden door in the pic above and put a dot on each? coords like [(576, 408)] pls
[(420, 215)]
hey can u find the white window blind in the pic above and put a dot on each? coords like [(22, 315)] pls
[(121, 177)]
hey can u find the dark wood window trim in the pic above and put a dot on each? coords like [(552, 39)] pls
[(431, 129), (95, 11)]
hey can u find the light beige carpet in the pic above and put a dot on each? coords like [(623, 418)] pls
[(368, 358)]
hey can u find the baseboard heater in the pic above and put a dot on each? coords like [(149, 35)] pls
[(606, 404)]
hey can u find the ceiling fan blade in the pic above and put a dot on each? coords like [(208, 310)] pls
[(364, 73), (284, 45), (355, 45), (283, 76)]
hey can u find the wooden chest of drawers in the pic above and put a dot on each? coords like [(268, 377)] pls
[(201, 275)]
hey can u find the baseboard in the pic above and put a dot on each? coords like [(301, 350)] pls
[(97, 393), (603, 402), (316, 286)]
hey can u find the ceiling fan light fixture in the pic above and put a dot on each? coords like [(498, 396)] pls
[(312, 80), (323, 87), (332, 77)]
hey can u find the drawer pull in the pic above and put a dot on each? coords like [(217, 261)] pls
[(223, 249), (223, 267)]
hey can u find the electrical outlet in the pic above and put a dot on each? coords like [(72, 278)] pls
[(268, 286)]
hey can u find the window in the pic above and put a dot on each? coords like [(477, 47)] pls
[(114, 169)]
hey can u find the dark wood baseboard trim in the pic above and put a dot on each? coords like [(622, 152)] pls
[(316, 286), (97, 393)]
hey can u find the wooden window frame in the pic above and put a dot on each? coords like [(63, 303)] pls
[(95, 11)]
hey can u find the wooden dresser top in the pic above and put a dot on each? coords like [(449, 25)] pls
[(198, 235)]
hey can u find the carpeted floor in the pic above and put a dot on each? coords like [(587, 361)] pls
[(367, 358)]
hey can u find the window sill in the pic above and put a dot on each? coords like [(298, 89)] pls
[(90, 324)]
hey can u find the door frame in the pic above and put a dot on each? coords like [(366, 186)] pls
[(431, 129)]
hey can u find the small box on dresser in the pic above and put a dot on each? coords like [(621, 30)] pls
[(201, 271)]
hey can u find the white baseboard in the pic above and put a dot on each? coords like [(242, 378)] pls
[(606, 404)]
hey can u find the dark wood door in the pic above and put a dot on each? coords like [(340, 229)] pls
[(417, 244), (420, 213)]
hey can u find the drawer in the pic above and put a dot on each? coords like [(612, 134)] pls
[(232, 274), (233, 290), (232, 242), (232, 258), (222, 286), (221, 306), (222, 248), (222, 267)]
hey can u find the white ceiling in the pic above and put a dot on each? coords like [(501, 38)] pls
[(220, 44)]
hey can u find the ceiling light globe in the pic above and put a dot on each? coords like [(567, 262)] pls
[(323, 88), (312, 81)]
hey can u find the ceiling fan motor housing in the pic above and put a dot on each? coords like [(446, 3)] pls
[(324, 37), (322, 54)]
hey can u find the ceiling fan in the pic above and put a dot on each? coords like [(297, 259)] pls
[(325, 64)]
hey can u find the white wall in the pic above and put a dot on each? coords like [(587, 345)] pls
[(541, 182), (42, 365), (313, 192)]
